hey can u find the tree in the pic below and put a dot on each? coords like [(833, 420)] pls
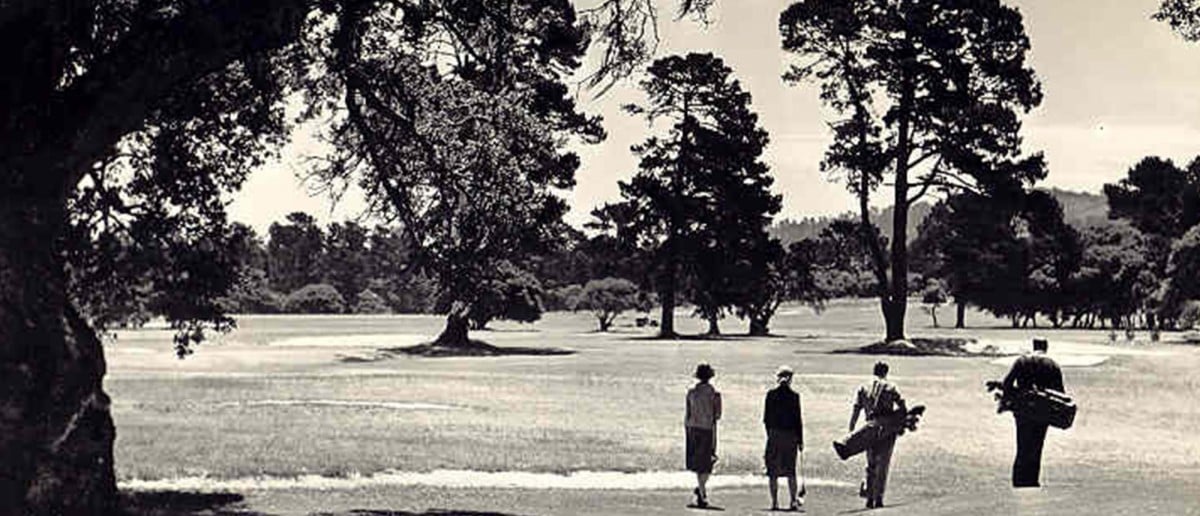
[(513, 294), (843, 261), (929, 94), (1157, 197), (370, 303), (934, 296), (607, 298), (777, 276), (295, 251), (345, 261), (700, 188), (128, 123), (316, 298)]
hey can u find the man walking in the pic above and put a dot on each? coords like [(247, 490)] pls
[(1029, 372), (785, 437), (877, 399)]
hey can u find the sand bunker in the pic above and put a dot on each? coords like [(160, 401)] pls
[(579, 480), (393, 405)]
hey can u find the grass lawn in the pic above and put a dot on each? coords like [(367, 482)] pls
[(278, 398)]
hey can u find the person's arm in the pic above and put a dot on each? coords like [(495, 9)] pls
[(857, 408), (900, 405), (766, 410), (716, 406), (799, 424), (1056, 378), (1010, 380), (687, 411)]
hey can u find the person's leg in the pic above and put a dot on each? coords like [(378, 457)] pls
[(883, 461), (793, 501), (773, 482), (870, 481), (1037, 439), (702, 479), (1021, 473)]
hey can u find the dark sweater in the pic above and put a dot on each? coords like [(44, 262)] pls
[(782, 410), (1035, 371)]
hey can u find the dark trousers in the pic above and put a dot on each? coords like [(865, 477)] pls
[(879, 460), (1027, 467)]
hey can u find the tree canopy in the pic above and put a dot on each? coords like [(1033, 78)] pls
[(927, 93)]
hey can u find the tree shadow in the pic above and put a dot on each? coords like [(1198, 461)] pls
[(183, 503), (477, 348)]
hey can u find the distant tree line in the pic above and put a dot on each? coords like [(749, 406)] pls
[(1021, 260)]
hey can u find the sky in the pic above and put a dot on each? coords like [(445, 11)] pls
[(1118, 86)]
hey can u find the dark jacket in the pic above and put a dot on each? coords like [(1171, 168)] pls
[(1034, 371), (782, 410)]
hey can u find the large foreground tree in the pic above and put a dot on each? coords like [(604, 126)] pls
[(928, 95), (124, 123)]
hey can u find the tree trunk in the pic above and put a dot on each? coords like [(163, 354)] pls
[(56, 433), (759, 327), (455, 334), (666, 327), (960, 314), (714, 326), (893, 318)]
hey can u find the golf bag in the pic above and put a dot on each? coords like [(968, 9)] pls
[(1046, 405), (881, 427)]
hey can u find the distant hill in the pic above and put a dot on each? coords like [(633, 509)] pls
[(788, 230), (1082, 209)]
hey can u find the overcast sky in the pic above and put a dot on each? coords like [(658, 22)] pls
[(1118, 86)]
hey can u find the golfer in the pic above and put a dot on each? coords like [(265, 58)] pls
[(877, 399), (700, 424), (1030, 372), (785, 437)]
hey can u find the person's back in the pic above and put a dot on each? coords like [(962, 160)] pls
[(782, 409), (703, 406), (879, 397), (1034, 371)]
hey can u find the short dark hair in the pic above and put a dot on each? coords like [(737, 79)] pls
[(881, 369), (704, 371), (1040, 344)]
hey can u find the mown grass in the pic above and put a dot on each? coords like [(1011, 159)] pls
[(617, 404)]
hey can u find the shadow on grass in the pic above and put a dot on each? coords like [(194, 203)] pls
[(921, 347), (430, 512), (184, 503), (477, 348)]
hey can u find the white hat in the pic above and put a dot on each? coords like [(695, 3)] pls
[(784, 372)]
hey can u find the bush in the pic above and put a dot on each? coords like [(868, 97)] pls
[(515, 296), (607, 298), (1190, 315), (563, 298), (315, 298), (370, 303), (251, 294)]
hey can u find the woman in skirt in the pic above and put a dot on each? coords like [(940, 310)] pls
[(785, 437), (700, 424)]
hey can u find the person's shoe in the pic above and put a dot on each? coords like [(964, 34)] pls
[(795, 506), (870, 503), (878, 502)]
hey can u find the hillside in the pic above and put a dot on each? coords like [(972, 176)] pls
[(1080, 209), (788, 230)]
